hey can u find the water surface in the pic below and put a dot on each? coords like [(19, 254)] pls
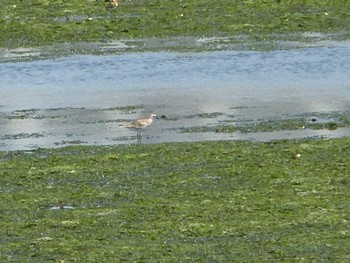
[(79, 99)]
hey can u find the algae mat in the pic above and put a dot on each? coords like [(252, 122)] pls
[(45, 22), (180, 202)]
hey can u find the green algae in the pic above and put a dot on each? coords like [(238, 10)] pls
[(129, 108), (44, 23), (313, 121), (181, 202), (21, 136)]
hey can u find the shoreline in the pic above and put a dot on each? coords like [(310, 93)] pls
[(173, 44), (216, 126), (49, 23)]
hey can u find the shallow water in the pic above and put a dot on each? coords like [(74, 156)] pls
[(77, 99)]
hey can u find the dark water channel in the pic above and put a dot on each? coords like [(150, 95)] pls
[(83, 99)]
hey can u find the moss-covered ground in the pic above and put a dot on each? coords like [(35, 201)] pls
[(231, 123), (32, 23), (282, 201)]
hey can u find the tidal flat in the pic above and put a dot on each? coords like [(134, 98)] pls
[(38, 23), (224, 201), (212, 201)]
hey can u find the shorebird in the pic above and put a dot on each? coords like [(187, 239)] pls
[(140, 124), (112, 5)]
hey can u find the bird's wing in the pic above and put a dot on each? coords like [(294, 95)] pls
[(136, 124)]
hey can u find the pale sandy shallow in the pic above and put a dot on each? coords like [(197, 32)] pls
[(75, 99)]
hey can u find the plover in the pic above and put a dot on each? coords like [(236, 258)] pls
[(140, 124), (112, 5)]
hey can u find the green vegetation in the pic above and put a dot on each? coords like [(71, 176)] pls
[(181, 202), (45, 22), (313, 121)]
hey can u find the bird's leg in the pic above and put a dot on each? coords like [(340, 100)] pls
[(139, 136)]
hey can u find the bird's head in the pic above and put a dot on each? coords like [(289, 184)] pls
[(153, 116)]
